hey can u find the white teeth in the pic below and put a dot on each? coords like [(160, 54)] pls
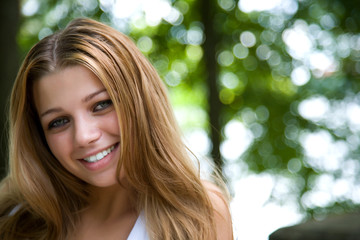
[(99, 156)]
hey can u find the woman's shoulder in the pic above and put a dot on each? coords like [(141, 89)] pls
[(220, 202)]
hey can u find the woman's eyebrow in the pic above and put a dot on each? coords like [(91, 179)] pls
[(51, 110), (92, 95), (86, 99)]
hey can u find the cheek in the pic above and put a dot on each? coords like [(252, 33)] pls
[(112, 124), (122, 175), (60, 146)]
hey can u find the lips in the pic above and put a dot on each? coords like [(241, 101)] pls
[(100, 155)]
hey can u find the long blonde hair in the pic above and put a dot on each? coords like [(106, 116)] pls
[(157, 166)]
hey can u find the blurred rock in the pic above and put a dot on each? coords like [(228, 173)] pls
[(340, 227)]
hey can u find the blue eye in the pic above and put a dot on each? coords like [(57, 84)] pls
[(59, 122), (102, 105)]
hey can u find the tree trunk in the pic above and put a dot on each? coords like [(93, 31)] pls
[(9, 62), (207, 11)]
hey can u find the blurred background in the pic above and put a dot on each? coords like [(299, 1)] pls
[(266, 89)]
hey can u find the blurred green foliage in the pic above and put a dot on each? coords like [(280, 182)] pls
[(263, 80)]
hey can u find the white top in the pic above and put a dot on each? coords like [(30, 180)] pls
[(139, 230)]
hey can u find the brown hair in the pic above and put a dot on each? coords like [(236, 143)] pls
[(167, 185)]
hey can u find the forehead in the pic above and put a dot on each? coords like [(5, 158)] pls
[(65, 85)]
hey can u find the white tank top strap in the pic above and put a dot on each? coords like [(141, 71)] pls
[(139, 230)]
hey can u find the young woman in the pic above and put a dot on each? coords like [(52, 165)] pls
[(95, 152)]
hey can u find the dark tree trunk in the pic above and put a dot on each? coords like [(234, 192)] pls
[(9, 62), (207, 11)]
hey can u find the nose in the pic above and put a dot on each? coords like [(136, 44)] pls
[(86, 131)]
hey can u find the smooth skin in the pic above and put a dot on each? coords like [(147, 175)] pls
[(79, 121)]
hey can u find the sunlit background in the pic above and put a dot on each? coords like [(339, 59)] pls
[(288, 76)]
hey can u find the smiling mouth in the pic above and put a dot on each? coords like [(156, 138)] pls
[(99, 155)]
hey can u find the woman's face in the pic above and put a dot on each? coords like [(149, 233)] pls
[(80, 124)]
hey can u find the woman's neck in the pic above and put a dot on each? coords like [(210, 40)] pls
[(111, 203), (110, 215)]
